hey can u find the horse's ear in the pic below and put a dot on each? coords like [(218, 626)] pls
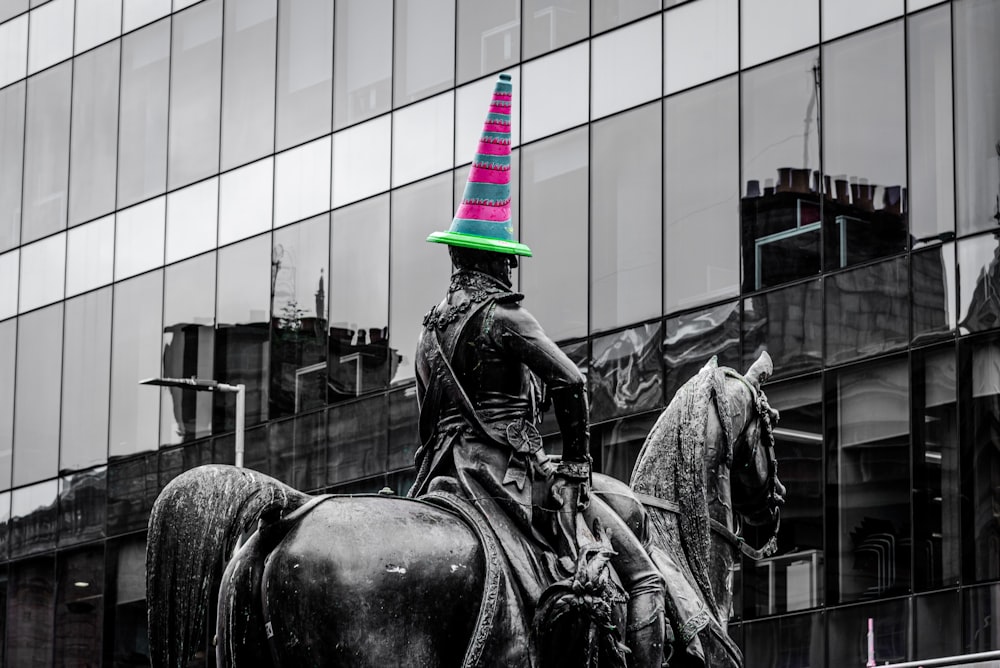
[(760, 370), (712, 363)]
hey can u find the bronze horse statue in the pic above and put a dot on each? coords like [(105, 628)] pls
[(372, 580)]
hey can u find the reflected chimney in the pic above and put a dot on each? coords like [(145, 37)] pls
[(827, 190), (374, 335), (800, 180), (784, 180), (768, 187), (843, 194), (753, 188), (892, 200), (361, 337), (867, 195)]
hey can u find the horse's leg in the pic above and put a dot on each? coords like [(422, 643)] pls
[(242, 639)]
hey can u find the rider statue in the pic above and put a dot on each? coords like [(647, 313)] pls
[(484, 370)]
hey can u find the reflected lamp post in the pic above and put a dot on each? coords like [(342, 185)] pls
[(202, 385)]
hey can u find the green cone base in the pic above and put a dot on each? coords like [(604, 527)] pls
[(479, 243)]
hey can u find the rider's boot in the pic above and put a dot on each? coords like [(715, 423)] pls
[(645, 630)]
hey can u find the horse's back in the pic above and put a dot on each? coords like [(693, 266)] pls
[(374, 581)]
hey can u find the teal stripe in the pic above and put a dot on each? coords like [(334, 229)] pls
[(504, 136), (493, 159), (498, 118), (503, 87), (489, 192), (502, 230)]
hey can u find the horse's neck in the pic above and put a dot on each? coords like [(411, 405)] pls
[(722, 557)]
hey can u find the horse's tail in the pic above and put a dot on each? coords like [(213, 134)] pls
[(193, 528)]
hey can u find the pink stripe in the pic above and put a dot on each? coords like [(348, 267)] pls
[(495, 127), (486, 148), (497, 109), (492, 214), (486, 175), (502, 96)]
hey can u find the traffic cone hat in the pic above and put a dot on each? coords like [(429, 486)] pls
[(483, 218)]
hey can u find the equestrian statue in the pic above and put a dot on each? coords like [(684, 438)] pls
[(501, 554)]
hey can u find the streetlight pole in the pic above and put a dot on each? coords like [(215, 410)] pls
[(202, 385)]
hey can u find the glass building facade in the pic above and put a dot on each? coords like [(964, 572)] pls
[(240, 190)]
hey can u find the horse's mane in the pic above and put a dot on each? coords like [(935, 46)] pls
[(671, 466)]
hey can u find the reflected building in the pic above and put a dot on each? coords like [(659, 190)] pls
[(241, 189)]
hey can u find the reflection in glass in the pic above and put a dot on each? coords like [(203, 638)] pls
[(556, 92), (304, 439), (139, 238), (142, 121), (191, 220), (404, 432), (82, 506), (30, 623), (299, 273), (425, 49), (979, 273), (780, 135), (302, 182), (845, 16), (11, 163), (937, 625), (9, 8), (423, 268), (305, 71), (701, 191), (135, 355), (97, 21), (50, 34), (627, 372), (847, 629), (195, 81), (43, 265), (932, 280), (9, 268), (140, 12), (977, 113), (34, 520), (619, 443), (982, 610), (36, 406), (606, 14), (362, 60), (248, 75), (798, 640), (80, 607), (46, 153), (4, 539), (870, 423), (132, 488), (93, 156), (554, 174), (694, 338), (243, 323), (85, 381), (763, 38), (700, 43), (792, 579), (422, 136), (358, 437), (361, 156), (932, 161), (245, 201), (8, 349), (489, 37), (867, 311), (787, 324), (188, 347), (127, 608), (627, 67), (625, 260), (13, 49), (550, 24)]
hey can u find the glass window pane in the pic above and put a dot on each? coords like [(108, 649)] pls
[(4, 544), (127, 569), (243, 317), (619, 443), (188, 347), (248, 80), (626, 373), (404, 438), (932, 163), (780, 131), (11, 163), (43, 264), (870, 419), (191, 220), (305, 70), (798, 640), (80, 607), (9, 8), (844, 16), (471, 105), (554, 174), (302, 182), (701, 191), (607, 14), (625, 256), (51, 35), (46, 153), (550, 24), (979, 274), (141, 12), (788, 325), (90, 256), (977, 112), (422, 138), (85, 381), (36, 406), (358, 436), (362, 60), (932, 279), (30, 612), (300, 270), (34, 520), (135, 355), (8, 358), (139, 238), (489, 37), (937, 625), (195, 81), (94, 150), (132, 488), (556, 92), (425, 49), (700, 43), (246, 197), (361, 156), (867, 311), (9, 269), (764, 38), (82, 506), (694, 338), (421, 267), (627, 67), (142, 124), (305, 437), (13, 50), (982, 612), (868, 144), (97, 21)]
